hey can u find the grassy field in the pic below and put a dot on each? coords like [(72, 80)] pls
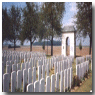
[(56, 50), (86, 84)]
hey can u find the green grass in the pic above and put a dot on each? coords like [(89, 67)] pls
[(86, 86), (74, 67), (48, 56)]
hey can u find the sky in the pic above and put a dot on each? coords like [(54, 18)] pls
[(68, 19)]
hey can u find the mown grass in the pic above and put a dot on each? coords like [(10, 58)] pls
[(74, 67), (86, 84)]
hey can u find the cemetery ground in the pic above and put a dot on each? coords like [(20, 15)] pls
[(86, 83), (84, 86)]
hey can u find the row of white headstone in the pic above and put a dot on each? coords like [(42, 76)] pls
[(82, 69), (13, 66), (11, 60), (17, 78), (88, 57), (80, 60), (52, 85), (18, 56)]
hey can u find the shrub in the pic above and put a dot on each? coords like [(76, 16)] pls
[(43, 46), (80, 46), (76, 81)]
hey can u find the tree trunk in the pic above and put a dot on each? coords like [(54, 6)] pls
[(2, 44), (14, 44), (31, 46), (52, 46), (47, 46), (90, 44)]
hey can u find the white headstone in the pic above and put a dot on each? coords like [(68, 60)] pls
[(7, 63), (15, 62), (19, 79), (36, 86), (13, 67), (47, 84), (24, 80), (58, 67), (52, 83), (30, 87), (47, 66), (29, 75), (65, 79), (63, 64), (30, 65), (13, 81), (42, 85), (6, 82), (22, 66), (39, 73), (18, 66), (71, 76), (77, 70), (34, 74), (8, 71), (26, 66), (61, 81), (57, 81), (68, 80), (43, 71), (55, 68)]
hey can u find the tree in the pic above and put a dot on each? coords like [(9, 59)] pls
[(43, 45), (15, 24), (42, 29), (53, 13), (5, 25), (30, 22), (80, 46), (84, 20)]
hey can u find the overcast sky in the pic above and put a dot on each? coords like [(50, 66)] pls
[(68, 18)]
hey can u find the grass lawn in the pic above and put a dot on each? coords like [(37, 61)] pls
[(86, 85)]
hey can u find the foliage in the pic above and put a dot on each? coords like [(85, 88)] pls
[(80, 45), (43, 45), (15, 24), (86, 75), (5, 25), (30, 23), (76, 81), (84, 20), (52, 13)]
